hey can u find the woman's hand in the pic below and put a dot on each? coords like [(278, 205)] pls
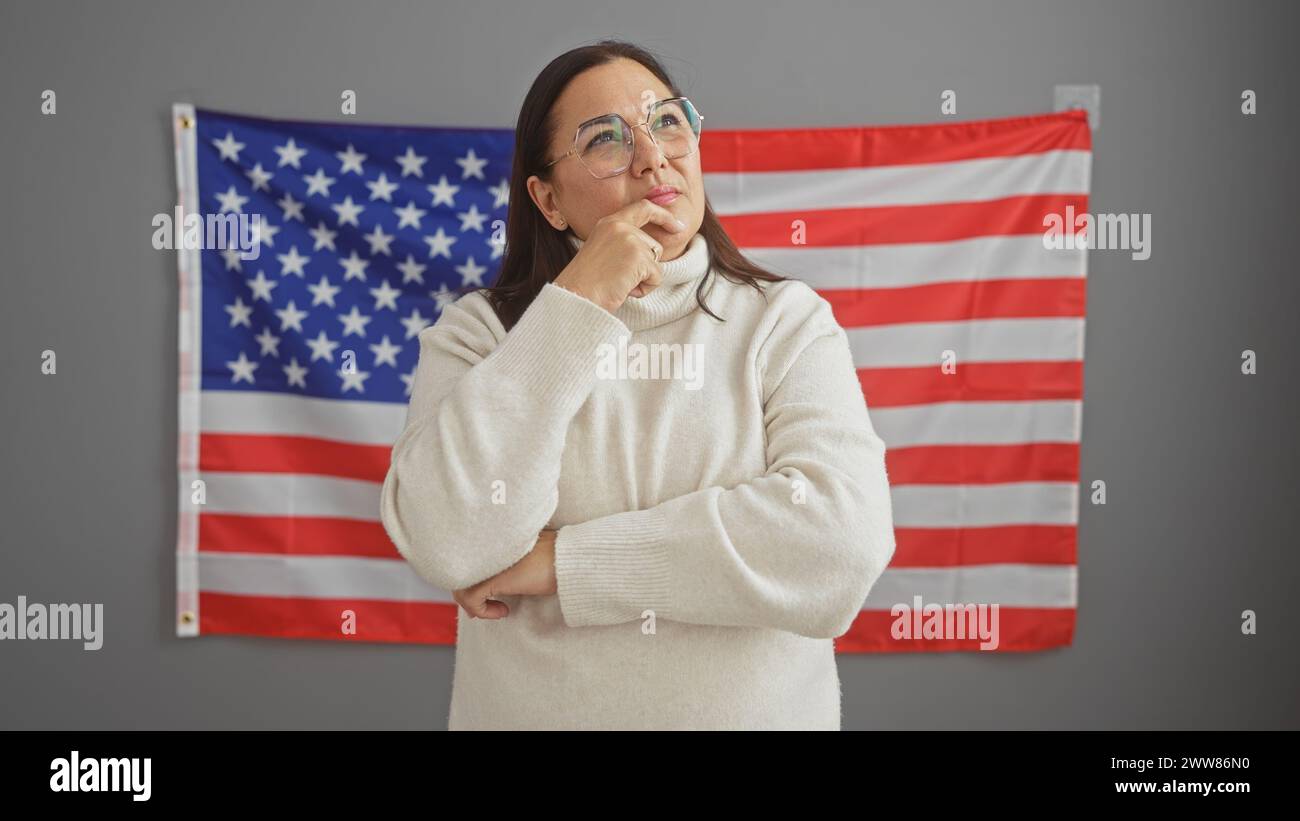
[(619, 258), (533, 575)]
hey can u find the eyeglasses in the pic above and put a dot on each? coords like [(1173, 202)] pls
[(605, 145)]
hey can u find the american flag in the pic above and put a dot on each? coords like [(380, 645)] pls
[(295, 367)]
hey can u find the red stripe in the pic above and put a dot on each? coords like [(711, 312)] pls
[(972, 382), (889, 224), (305, 618), (818, 148), (956, 301), (294, 536), (255, 453), (983, 464), (959, 546), (1019, 629)]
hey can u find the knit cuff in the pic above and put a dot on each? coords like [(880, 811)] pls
[(554, 347), (612, 569)]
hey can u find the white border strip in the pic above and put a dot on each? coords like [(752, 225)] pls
[(190, 359)]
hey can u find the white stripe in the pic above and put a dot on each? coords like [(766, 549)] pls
[(986, 505), (335, 577), (263, 412), (189, 356), (924, 263), (1008, 585), (316, 577), (380, 423), (914, 505), (978, 423), (752, 192), (911, 344), (291, 494)]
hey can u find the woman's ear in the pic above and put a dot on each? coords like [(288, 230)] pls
[(543, 196)]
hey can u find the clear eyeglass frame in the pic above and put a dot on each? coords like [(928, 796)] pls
[(629, 145)]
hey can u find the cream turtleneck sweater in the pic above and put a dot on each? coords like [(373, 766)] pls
[(722, 515)]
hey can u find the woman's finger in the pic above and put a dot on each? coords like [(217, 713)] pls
[(475, 601)]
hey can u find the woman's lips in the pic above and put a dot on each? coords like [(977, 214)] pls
[(664, 198)]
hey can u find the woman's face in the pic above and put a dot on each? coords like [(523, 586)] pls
[(575, 199)]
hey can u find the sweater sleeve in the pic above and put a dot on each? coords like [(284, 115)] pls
[(473, 476), (796, 549)]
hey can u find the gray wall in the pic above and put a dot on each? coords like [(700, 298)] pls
[(1200, 460)]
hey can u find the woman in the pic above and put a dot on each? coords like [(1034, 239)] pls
[(634, 546)]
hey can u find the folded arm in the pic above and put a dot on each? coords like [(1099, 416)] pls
[(473, 476), (796, 549)]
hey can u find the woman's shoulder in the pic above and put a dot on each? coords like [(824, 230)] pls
[(783, 307)]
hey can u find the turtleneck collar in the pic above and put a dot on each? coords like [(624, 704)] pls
[(675, 295)]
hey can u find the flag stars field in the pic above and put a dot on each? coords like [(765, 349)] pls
[(337, 268)]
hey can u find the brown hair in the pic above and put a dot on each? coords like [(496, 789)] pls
[(535, 253)]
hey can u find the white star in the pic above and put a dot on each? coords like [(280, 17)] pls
[(231, 201), (471, 273), (354, 380), (501, 192), (410, 215), (295, 373), (231, 256), (471, 219), (440, 243), (292, 208), (269, 341), (318, 183), (354, 266), (261, 286), (291, 317), (354, 322), (471, 166), (323, 291), (385, 294), (412, 163), (385, 351), (292, 262), (265, 231), (379, 241), (228, 147), (412, 271), (443, 192), (409, 379), (497, 244), (243, 368), (443, 296), (260, 177), (382, 189), (290, 153), (351, 160), (348, 211), (414, 324), (324, 237), (322, 347), (239, 313)]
